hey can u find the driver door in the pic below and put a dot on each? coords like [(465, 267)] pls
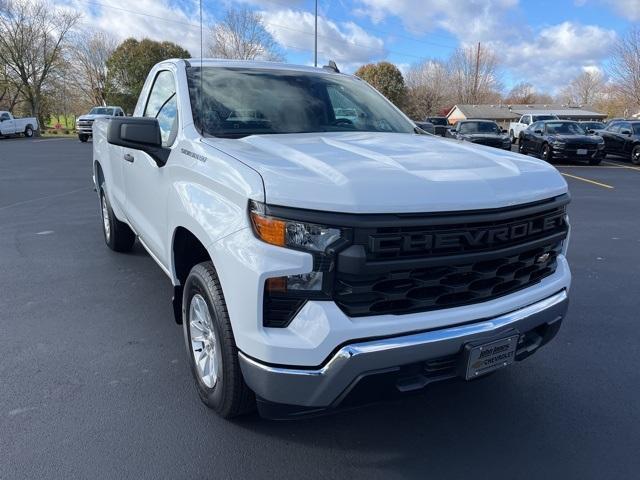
[(146, 184)]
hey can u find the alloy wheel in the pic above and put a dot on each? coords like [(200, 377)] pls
[(106, 224), (204, 344)]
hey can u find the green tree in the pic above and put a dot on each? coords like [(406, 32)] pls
[(129, 65), (386, 78)]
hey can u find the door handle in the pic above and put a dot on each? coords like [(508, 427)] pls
[(128, 157)]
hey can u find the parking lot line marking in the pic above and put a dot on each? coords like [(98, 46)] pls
[(597, 167), (604, 185), (48, 197), (619, 165)]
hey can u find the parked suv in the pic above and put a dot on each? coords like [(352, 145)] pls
[(312, 251), (440, 124), (84, 123), (482, 132), (622, 138)]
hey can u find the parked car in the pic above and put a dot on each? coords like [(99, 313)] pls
[(562, 139), (622, 138), (310, 254), (592, 127), (84, 123), (427, 127), (483, 132), (440, 124), (516, 128), (9, 125)]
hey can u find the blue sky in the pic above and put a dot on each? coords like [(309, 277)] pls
[(543, 42)]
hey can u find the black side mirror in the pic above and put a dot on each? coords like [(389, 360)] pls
[(625, 132), (539, 132), (504, 130), (139, 133)]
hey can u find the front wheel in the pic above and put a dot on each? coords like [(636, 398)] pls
[(28, 132), (545, 153), (635, 155), (213, 355), (521, 148), (512, 137), (83, 138)]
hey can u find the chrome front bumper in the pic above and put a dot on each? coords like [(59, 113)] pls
[(328, 384)]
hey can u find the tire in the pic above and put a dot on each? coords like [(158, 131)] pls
[(635, 155), (219, 380), (521, 148), (545, 153), (117, 235), (512, 136), (83, 138), (595, 161), (28, 132)]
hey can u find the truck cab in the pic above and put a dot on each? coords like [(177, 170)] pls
[(84, 123)]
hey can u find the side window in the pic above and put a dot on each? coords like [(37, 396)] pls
[(614, 127), (162, 104), (526, 119), (624, 126), (5, 116), (535, 126)]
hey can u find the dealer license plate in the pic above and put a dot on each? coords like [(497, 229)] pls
[(485, 358), (582, 151)]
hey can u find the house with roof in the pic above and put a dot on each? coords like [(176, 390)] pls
[(503, 114)]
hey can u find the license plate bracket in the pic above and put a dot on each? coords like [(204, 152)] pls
[(582, 151), (483, 358)]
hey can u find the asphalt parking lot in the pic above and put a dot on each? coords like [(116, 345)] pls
[(94, 381)]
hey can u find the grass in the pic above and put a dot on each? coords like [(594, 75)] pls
[(66, 122)]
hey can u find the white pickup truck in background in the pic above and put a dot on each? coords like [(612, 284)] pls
[(9, 125), (317, 240), (516, 128)]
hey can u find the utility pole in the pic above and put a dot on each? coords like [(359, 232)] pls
[(315, 48), (476, 80)]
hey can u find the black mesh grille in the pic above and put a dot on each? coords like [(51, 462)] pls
[(431, 288), (407, 269)]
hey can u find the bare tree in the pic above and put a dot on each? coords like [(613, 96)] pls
[(474, 75), (241, 35), (585, 89), (428, 89), (625, 66), (521, 93), (32, 40), (10, 93), (90, 54)]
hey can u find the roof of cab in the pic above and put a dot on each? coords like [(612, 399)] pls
[(263, 65)]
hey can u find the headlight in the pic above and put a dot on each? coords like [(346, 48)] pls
[(558, 144), (284, 296), (292, 233)]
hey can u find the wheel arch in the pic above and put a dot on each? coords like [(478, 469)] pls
[(187, 250)]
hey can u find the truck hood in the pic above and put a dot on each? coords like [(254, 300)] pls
[(367, 172), (92, 117)]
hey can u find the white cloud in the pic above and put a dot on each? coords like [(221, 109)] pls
[(469, 20), (345, 42), (155, 19), (557, 53), (628, 9)]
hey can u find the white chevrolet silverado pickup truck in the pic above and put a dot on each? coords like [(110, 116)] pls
[(9, 125), (314, 255)]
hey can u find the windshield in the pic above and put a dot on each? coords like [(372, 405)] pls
[(593, 125), (539, 118), (479, 127), (636, 128), (238, 102), (438, 120), (565, 128), (101, 111)]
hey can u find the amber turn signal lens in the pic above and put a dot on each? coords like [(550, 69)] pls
[(277, 285), (270, 230)]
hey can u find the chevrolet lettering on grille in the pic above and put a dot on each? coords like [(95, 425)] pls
[(475, 238)]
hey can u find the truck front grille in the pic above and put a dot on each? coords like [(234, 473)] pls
[(445, 261)]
